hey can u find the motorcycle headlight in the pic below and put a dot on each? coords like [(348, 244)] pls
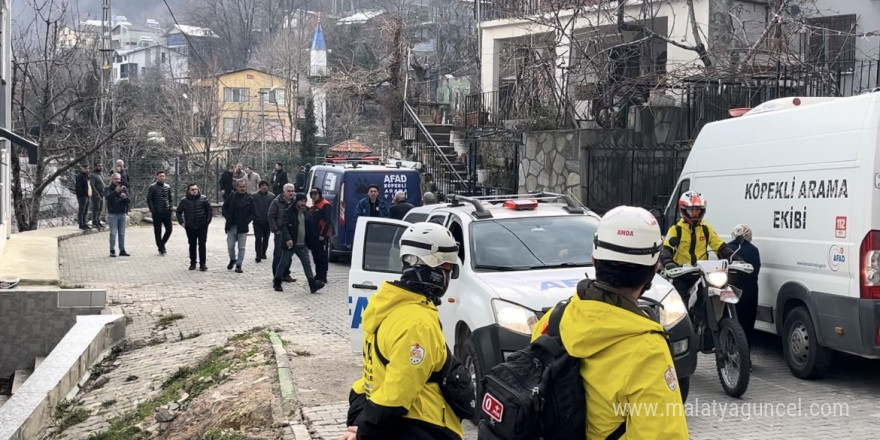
[(514, 317), (673, 310), (717, 279)]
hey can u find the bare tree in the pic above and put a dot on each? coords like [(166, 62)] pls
[(55, 100)]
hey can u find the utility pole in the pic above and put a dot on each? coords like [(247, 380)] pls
[(263, 126), (106, 69)]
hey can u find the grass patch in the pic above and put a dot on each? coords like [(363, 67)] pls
[(195, 380), (192, 335), (223, 434), (67, 414), (166, 320), (302, 353)]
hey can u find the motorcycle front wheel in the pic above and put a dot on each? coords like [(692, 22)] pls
[(732, 358)]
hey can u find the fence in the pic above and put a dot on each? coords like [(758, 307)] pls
[(631, 175)]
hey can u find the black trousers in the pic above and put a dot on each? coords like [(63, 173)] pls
[(277, 255), (197, 236), (261, 239), (82, 213), (319, 253), (97, 206), (162, 219)]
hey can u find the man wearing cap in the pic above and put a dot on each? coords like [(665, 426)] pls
[(625, 359), (297, 237)]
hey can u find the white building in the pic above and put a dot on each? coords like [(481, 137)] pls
[(130, 36), (129, 65)]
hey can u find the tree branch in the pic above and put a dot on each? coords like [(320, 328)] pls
[(63, 169)]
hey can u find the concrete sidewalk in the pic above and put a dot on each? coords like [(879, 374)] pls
[(32, 256)]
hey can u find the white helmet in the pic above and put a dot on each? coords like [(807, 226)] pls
[(629, 235), (428, 244), (742, 230)]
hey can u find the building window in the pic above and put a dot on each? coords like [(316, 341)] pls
[(128, 70), (272, 96), (163, 57), (831, 41), (232, 94), (231, 126)]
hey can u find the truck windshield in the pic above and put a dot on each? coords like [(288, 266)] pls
[(533, 243)]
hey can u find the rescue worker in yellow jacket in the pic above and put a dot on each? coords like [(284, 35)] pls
[(628, 373), (689, 241), (404, 346)]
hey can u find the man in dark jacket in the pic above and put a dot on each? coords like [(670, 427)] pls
[(298, 237), (399, 206), (159, 200), (194, 213), (262, 200), (238, 210), (747, 307), (124, 177), (322, 215), (279, 179), (277, 209), (96, 179), (118, 202), (226, 187), (83, 191), (301, 179)]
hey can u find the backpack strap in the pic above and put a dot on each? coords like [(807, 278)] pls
[(556, 317), (618, 433), (706, 235), (379, 355)]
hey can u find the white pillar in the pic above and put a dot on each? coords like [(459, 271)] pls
[(490, 58)]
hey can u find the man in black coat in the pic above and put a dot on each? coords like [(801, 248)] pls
[(279, 179), (747, 307), (301, 179), (118, 203), (298, 236), (83, 189), (160, 202), (194, 213), (226, 186), (238, 210), (96, 179)]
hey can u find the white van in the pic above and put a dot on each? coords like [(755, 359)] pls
[(804, 174)]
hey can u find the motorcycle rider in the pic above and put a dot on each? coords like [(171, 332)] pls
[(689, 241), (625, 356), (394, 399)]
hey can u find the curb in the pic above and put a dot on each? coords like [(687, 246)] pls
[(289, 401)]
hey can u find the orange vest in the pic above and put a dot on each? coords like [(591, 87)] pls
[(317, 207)]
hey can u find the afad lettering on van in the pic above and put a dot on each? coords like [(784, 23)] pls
[(559, 284), (360, 303), (808, 189), (394, 183)]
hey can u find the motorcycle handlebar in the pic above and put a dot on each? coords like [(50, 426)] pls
[(679, 271), (741, 267)]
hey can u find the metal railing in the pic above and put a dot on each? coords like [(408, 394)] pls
[(423, 132)]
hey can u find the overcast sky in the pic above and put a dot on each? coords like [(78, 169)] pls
[(137, 11)]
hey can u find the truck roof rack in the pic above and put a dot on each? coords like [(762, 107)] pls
[(479, 210), (571, 206)]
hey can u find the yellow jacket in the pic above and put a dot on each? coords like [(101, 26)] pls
[(397, 364), (626, 368), (693, 244)]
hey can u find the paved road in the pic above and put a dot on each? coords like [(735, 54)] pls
[(221, 302)]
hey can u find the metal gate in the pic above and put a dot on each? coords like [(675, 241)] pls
[(631, 175)]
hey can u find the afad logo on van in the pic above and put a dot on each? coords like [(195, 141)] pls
[(836, 257)]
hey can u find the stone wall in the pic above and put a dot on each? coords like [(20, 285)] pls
[(551, 162)]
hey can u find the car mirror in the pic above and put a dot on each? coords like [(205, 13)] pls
[(455, 272)]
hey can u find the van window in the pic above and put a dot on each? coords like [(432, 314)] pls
[(439, 219), (415, 217), (382, 249), (671, 214), (458, 234)]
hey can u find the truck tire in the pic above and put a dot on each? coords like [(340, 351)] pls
[(471, 360), (805, 357)]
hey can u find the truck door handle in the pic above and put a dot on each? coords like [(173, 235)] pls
[(365, 286)]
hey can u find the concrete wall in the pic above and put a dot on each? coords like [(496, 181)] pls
[(33, 321)]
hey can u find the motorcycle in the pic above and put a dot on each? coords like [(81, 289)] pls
[(712, 310)]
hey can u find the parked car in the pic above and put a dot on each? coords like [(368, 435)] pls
[(804, 174), (518, 257)]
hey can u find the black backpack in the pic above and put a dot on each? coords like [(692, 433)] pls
[(537, 393)]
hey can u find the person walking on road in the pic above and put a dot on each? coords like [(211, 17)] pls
[(298, 237), (238, 210), (118, 204), (96, 180), (279, 179), (83, 190), (227, 180), (262, 200), (277, 210), (322, 215), (747, 307), (160, 203), (194, 213)]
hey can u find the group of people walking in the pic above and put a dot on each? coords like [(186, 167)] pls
[(92, 191)]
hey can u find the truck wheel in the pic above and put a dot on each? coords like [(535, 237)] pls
[(471, 360), (805, 357)]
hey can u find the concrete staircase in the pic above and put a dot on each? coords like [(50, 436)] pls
[(20, 377), (455, 174)]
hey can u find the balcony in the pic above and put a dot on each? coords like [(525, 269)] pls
[(487, 10)]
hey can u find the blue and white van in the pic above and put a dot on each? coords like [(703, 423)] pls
[(344, 185)]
